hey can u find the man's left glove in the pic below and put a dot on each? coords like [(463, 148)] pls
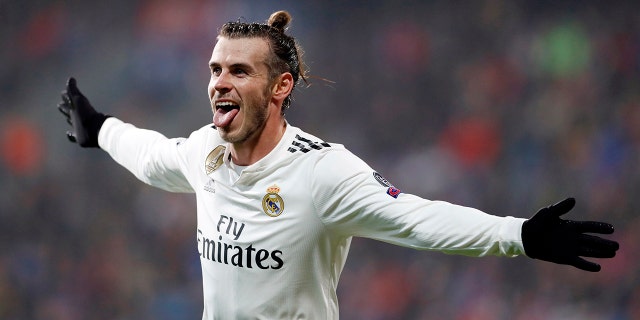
[(547, 237), (85, 121)]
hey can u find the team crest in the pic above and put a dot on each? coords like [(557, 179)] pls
[(214, 159), (272, 202)]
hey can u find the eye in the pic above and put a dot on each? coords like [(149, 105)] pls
[(239, 71), (216, 70)]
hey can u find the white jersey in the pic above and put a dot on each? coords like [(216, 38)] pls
[(273, 239)]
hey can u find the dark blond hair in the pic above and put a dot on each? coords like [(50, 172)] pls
[(286, 53)]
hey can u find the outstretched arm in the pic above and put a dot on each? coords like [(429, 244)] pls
[(150, 156), (547, 237)]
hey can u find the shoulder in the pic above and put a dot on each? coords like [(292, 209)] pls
[(303, 143), (200, 142), (329, 160), (207, 130), (207, 134)]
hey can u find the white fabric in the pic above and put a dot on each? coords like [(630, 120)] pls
[(287, 265)]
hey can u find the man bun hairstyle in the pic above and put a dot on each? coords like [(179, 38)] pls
[(286, 53), (279, 20)]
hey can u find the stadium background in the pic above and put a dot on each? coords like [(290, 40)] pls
[(501, 105)]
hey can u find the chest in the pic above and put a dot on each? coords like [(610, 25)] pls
[(275, 209)]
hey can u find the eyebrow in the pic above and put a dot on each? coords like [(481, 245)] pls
[(234, 65)]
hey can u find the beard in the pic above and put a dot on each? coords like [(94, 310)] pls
[(253, 121)]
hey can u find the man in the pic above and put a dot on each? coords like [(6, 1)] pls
[(277, 207)]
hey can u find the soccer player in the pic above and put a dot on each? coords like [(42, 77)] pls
[(277, 207)]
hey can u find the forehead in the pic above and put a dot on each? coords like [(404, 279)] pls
[(249, 51)]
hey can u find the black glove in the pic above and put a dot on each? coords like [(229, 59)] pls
[(84, 120), (547, 237)]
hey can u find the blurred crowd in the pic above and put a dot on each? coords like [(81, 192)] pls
[(506, 106)]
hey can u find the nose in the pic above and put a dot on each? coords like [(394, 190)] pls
[(221, 82)]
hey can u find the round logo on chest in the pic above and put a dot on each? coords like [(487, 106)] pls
[(272, 202)]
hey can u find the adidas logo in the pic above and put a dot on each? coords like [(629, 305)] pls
[(305, 145)]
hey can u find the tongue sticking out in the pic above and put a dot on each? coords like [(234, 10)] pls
[(222, 118)]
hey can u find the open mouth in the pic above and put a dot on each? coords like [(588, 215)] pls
[(227, 106), (225, 113)]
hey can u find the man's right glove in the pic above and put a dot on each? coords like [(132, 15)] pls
[(84, 120), (547, 237)]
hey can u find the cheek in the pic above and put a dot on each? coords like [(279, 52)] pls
[(211, 91)]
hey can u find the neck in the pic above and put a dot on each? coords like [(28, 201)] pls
[(248, 152)]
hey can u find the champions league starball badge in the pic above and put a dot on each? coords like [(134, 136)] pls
[(272, 202)]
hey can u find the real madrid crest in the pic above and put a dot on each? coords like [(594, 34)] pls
[(272, 202), (214, 159)]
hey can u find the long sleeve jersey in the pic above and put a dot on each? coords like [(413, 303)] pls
[(274, 237)]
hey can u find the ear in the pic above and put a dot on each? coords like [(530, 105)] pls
[(282, 86)]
